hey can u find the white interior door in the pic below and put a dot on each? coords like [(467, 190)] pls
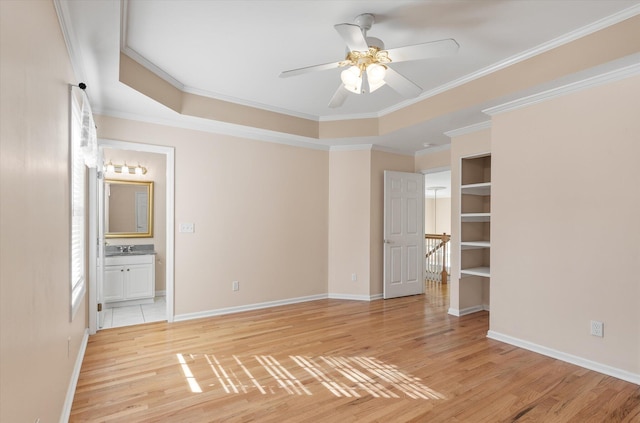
[(100, 252), (403, 234), (96, 248)]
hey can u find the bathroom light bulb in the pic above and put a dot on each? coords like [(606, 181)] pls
[(111, 168), (138, 170), (124, 168)]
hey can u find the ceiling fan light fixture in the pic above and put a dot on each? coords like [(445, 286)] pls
[(352, 79), (375, 76)]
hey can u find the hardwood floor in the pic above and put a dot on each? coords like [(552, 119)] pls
[(401, 360)]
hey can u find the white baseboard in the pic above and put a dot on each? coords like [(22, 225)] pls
[(248, 307), (569, 358), (355, 297), (71, 390), (161, 293), (468, 310)]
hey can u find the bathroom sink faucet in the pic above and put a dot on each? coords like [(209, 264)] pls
[(125, 248)]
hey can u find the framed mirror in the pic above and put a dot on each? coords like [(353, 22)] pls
[(128, 209)]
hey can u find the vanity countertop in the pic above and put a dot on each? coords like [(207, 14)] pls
[(128, 250)]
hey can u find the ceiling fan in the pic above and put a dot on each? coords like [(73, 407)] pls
[(367, 61)]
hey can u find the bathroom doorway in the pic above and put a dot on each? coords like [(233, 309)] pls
[(157, 305)]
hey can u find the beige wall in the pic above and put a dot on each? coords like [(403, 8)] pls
[(565, 207), (381, 161), (156, 173), (466, 292), (441, 208), (356, 204), (38, 343), (349, 222), (432, 160), (260, 212)]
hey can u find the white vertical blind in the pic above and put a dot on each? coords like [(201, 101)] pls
[(77, 210)]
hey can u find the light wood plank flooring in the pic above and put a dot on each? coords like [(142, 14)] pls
[(401, 360)]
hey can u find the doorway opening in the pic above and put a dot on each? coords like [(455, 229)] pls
[(437, 224), (112, 305)]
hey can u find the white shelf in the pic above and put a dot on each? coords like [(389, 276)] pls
[(477, 189), (476, 271), (475, 217), (468, 245)]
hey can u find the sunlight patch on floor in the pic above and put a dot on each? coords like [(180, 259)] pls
[(351, 377)]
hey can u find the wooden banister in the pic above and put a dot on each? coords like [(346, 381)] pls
[(434, 247)]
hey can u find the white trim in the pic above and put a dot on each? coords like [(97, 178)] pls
[(160, 293), (62, 10), (169, 152), (468, 129), (435, 170), (71, 389), (542, 48), (248, 307), (431, 150), (527, 54), (605, 78), (351, 147), (468, 310), (569, 358), (355, 297)]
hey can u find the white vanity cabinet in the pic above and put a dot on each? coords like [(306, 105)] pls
[(129, 278)]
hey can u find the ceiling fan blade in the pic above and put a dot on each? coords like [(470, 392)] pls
[(352, 36), (424, 51), (339, 97), (315, 68), (401, 85)]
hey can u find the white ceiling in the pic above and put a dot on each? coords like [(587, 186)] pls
[(438, 184), (234, 50)]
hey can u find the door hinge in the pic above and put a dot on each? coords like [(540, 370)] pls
[(99, 306)]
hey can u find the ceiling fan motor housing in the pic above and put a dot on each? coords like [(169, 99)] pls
[(375, 42)]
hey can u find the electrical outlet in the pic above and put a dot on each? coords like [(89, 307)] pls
[(235, 285), (597, 328), (354, 277), (187, 227)]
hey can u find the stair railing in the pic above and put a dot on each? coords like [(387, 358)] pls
[(437, 257)]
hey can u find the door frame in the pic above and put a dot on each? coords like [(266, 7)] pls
[(169, 153)]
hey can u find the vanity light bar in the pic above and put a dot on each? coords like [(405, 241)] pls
[(124, 168)]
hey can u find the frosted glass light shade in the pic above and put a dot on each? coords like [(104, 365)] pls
[(375, 76), (352, 80)]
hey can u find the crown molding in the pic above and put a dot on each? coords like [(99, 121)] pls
[(468, 129), (557, 42), (605, 78), (541, 48), (222, 128), (254, 104), (432, 150), (352, 147), (69, 36)]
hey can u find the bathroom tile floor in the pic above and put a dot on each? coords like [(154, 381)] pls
[(136, 314)]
